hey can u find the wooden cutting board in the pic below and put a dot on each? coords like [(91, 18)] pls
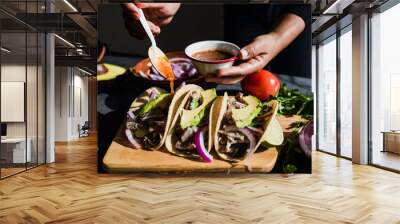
[(121, 158)]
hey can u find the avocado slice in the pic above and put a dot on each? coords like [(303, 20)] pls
[(244, 116), (193, 117), (112, 73), (153, 103)]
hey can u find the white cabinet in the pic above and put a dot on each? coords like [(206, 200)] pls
[(17, 146)]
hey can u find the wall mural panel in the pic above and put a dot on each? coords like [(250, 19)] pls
[(223, 98)]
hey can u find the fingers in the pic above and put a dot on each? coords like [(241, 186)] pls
[(256, 56), (159, 13), (158, 19), (251, 50), (235, 74), (163, 21), (131, 9), (154, 28), (260, 45), (250, 66), (167, 8), (135, 29), (151, 5)]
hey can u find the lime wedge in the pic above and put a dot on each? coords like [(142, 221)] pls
[(274, 134)]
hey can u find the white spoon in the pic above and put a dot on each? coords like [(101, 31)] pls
[(157, 57)]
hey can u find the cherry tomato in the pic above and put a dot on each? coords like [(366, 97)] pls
[(262, 84)]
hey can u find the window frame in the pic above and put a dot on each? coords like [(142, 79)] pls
[(334, 37), (29, 29), (378, 10)]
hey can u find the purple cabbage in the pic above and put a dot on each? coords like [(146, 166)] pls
[(182, 68), (305, 138)]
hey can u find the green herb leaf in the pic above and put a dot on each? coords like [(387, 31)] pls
[(293, 102), (289, 168)]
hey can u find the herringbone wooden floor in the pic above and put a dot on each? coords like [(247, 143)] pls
[(71, 191)]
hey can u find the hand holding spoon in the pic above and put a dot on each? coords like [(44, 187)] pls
[(157, 57)]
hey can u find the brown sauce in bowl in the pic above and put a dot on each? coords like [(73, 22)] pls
[(211, 55)]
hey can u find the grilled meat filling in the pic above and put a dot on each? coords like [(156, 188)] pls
[(148, 128)]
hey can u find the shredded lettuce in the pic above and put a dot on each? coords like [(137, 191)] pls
[(194, 104)]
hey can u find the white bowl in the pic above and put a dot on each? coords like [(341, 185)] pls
[(211, 67)]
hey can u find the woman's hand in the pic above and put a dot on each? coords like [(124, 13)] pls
[(261, 51), (255, 57), (157, 15)]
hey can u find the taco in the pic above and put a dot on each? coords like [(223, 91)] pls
[(189, 135), (243, 125), (149, 117)]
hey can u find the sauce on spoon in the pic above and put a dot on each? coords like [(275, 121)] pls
[(164, 67), (156, 56)]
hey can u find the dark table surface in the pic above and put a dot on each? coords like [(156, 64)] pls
[(113, 100)]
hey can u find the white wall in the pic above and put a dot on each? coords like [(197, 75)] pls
[(82, 82), (16, 73), (62, 81), (33, 127), (10, 73), (70, 83)]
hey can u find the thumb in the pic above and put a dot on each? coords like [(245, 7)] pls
[(253, 49), (130, 7)]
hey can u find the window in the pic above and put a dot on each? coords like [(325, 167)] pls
[(326, 106), (385, 89), (15, 146), (346, 92), (22, 77)]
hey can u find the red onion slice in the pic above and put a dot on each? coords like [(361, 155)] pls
[(201, 148), (180, 59), (182, 68), (153, 94), (132, 139), (131, 115), (252, 148), (250, 136), (305, 138), (192, 72), (246, 132), (256, 131), (141, 73), (178, 71)]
